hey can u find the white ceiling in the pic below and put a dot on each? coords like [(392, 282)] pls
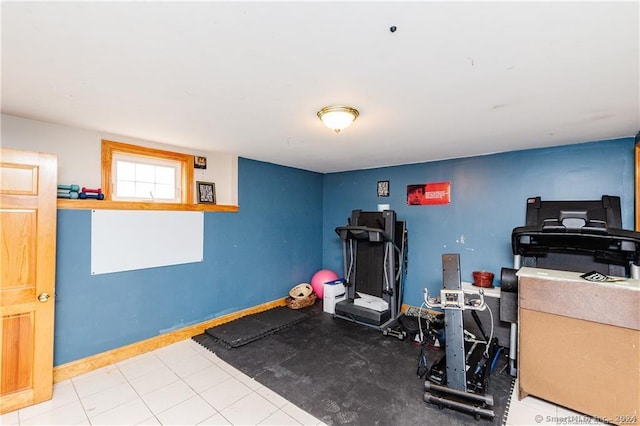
[(456, 79)]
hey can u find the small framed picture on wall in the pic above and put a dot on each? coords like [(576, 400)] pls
[(383, 188), (206, 192), (200, 162)]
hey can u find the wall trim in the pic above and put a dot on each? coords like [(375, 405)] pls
[(90, 363)]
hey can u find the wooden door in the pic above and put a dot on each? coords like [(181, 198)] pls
[(28, 193)]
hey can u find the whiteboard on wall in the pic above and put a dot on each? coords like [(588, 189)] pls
[(124, 240)]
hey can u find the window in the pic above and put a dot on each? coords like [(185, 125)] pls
[(139, 178), (141, 174)]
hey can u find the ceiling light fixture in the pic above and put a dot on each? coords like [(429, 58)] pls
[(338, 117)]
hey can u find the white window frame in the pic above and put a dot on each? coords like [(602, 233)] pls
[(136, 159)]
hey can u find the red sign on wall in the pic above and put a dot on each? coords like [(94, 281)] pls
[(429, 194)]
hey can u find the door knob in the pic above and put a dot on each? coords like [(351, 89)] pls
[(43, 297)]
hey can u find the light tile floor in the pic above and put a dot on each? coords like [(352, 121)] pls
[(531, 411), (180, 384), (186, 384)]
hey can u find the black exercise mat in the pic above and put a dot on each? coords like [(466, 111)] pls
[(253, 327), (347, 374)]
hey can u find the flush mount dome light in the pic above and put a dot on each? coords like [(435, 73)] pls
[(338, 117)]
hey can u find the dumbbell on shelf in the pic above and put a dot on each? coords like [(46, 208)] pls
[(91, 196), (70, 194), (72, 188), (92, 191)]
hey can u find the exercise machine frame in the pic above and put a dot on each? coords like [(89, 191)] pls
[(374, 255), (456, 394), (575, 235)]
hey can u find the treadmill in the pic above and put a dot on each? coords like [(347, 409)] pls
[(374, 254), (578, 236)]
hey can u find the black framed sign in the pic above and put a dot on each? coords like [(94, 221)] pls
[(383, 188), (206, 192)]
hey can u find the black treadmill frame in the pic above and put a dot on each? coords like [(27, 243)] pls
[(577, 236), (374, 256)]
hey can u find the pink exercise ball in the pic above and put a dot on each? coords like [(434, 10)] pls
[(321, 277)]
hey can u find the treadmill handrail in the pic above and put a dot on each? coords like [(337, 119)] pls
[(614, 243), (614, 233), (351, 232)]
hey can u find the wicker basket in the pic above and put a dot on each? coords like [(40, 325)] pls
[(301, 291), (301, 302)]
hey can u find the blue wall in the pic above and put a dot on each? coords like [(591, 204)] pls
[(284, 232), (488, 196), (251, 257)]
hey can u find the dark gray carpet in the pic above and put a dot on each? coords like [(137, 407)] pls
[(347, 374)]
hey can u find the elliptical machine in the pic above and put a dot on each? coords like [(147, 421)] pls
[(466, 373)]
